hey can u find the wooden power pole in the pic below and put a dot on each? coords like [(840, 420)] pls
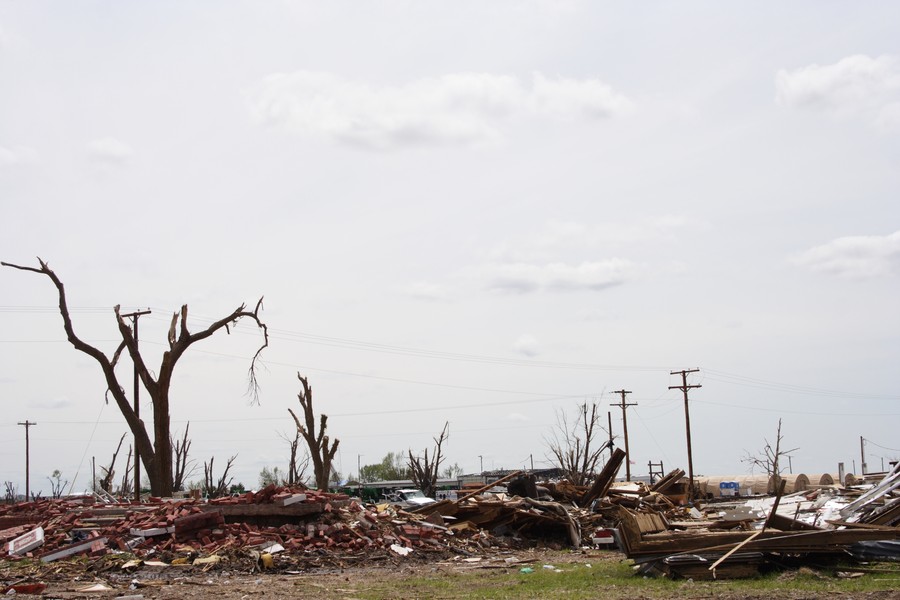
[(27, 424), (137, 405), (624, 408), (684, 387)]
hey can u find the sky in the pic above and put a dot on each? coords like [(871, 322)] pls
[(479, 213)]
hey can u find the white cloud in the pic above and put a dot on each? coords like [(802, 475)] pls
[(109, 151), (858, 257), (459, 108), (588, 276), (527, 345), (424, 290), (19, 155), (855, 85)]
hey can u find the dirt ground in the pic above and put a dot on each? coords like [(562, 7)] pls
[(372, 576), (437, 575)]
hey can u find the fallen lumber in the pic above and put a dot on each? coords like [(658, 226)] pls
[(604, 479)]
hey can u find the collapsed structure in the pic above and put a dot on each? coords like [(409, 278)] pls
[(656, 526)]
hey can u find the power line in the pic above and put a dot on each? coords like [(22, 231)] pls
[(353, 414), (796, 412), (352, 344), (868, 441), (742, 380)]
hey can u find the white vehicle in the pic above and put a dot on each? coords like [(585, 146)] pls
[(410, 498)]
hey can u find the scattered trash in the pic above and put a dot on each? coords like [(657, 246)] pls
[(400, 549)]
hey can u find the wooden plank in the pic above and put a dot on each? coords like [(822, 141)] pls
[(666, 482), (485, 488), (733, 550), (604, 479)]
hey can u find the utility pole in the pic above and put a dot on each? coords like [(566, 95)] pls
[(624, 406), (531, 458), (481, 462), (137, 405), (862, 454), (27, 424), (684, 387)]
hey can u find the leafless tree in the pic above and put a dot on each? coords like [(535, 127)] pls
[(213, 488), (296, 466), (127, 486), (425, 471), (155, 453), (109, 472), (577, 444), (769, 458), (184, 467), (57, 484), (11, 493), (321, 448)]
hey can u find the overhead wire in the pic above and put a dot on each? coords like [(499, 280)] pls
[(706, 372), (868, 441)]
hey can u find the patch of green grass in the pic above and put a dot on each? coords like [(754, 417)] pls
[(617, 580)]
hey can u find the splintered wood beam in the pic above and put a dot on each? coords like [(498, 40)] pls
[(604, 479)]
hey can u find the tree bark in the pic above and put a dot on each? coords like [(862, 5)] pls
[(321, 449), (156, 454)]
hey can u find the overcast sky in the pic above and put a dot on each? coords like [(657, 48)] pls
[(477, 212)]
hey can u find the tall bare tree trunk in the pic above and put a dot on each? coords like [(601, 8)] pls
[(156, 454), (321, 449)]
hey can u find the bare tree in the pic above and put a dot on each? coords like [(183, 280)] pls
[(769, 458), (57, 484), (296, 466), (213, 488), (576, 445), (11, 493), (110, 472), (321, 448), (156, 454), (184, 467), (453, 470), (125, 488), (425, 471)]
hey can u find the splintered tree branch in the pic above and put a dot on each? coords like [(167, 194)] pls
[(177, 346)]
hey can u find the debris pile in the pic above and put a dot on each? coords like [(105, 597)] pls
[(655, 526), (741, 538)]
